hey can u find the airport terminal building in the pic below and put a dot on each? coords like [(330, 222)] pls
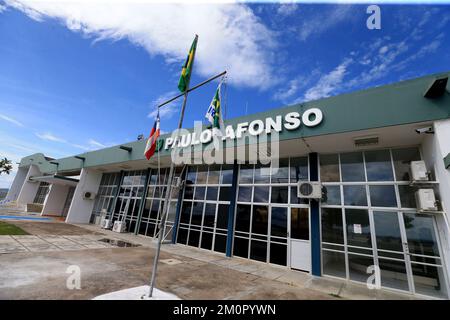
[(381, 159)]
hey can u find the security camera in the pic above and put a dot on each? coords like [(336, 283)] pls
[(427, 130)]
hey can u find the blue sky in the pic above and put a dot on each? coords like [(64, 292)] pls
[(78, 76)]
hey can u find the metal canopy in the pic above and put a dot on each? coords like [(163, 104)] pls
[(56, 179)]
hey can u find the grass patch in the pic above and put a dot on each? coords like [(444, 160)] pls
[(10, 229)]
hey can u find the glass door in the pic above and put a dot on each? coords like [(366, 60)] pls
[(408, 253), (422, 247), (300, 247), (391, 253)]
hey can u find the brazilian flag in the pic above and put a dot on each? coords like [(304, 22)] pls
[(214, 112), (187, 67)]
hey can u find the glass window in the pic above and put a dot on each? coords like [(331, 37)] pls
[(407, 196), (188, 192), (185, 212), (261, 194), (207, 238), (202, 175), (331, 195), (279, 195), (197, 213), (278, 253), (194, 238), (225, 193), (220, 243), (258, 250), (222, 216), (299, 169), (387, 230), (334, 263), (278, 227), (352, 166), (246, 173), (329, 168), (211, 193), (300, 223), (357, 266), (262, 174), (240, 247), (227, 174), (213, 176), (191, 175), (332, 227), (358, 229), (420, 234), (200, 193), (280, 173), (402, 159), (210, 214), (260, 219), (245, 194), (243, 218), (355, 196), (382, 196), (378, 165)]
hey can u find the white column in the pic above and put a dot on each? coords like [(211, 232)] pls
[(17, 184), (80, 210), (434, 148), (29, 189), (54, 204)]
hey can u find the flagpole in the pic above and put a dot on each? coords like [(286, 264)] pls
[(166, 203), (166, 207)]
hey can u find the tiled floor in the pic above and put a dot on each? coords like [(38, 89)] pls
[(42, 243)]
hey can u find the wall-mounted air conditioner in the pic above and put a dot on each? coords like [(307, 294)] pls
[(88, 195), (120, 226), (425, 200), (419, 171), (309, 190), (105, 223)]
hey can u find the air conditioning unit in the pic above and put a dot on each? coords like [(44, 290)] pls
[(120, 226), (309, 190), (419, 171), (425, 200), (105, 223), (88, 195)]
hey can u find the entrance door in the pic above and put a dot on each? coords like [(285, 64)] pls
[(408, 253), (68, 201), (300, 246)]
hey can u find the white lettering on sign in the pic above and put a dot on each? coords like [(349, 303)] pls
[(292, 121)]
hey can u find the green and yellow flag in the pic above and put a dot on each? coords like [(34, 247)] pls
[(214, 112), (187, 67)]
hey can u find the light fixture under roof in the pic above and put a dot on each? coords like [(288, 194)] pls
[(366, 141)]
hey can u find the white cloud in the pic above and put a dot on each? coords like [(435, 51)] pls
[(2, 8), (95, 143), (329, 82), (11, 120), (287, 9), (320, 22), (231, 36), (50, 137), (168, 110)]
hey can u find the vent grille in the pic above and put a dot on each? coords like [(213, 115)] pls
[(366, 141)]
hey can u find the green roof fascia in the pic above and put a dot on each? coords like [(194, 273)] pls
[(394, 104)]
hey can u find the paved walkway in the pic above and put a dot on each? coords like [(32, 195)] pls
[(45, 243), (330, 286), (37, 268)]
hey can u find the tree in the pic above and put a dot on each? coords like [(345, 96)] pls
[(5, 166)]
